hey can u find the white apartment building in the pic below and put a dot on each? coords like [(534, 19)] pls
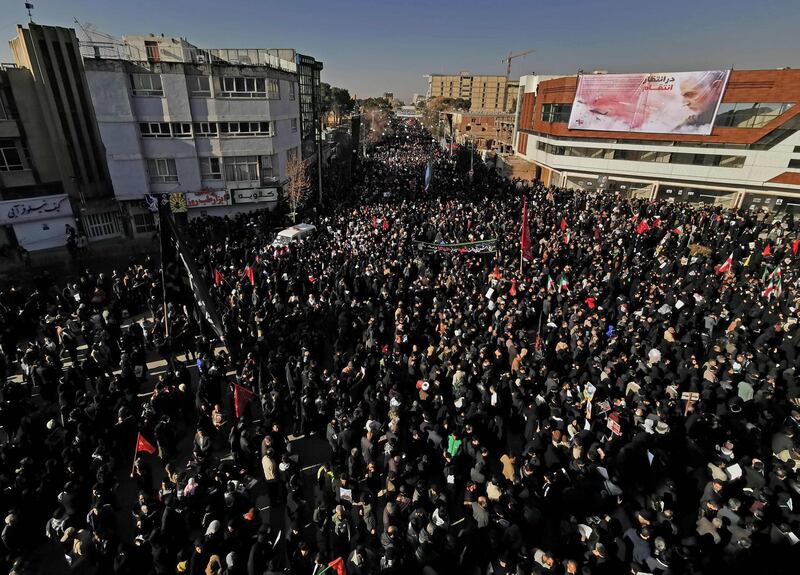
[(214, 128)]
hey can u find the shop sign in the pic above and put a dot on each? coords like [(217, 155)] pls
[(208, 198), (253, 195), (32, 209)]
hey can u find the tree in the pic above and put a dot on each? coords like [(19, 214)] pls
[(430, 114), (376, 103), (297, 185), (342, 102)]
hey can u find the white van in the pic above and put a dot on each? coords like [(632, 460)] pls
[(293, 234)]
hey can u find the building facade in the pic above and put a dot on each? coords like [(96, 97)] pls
[(308, 71), (751, 158), (52, 155), (215, 128), (489, 131), (495, 93)]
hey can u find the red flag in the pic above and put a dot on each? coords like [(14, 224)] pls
[(525, 240), (726, 265), (642, 227), (217, 277), (795, 245), (241, 397), (385, 225), (767, 251), (143, 445), (248, 271), (513, 290), (590, 301), (496, 272), (338, 566), (563, 224), (375, 222)]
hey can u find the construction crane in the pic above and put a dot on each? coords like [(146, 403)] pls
[(511, 56), (508, 59)]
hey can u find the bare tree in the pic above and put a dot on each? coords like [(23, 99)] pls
[(297, 184)]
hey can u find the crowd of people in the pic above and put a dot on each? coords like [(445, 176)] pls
[(624, 400)]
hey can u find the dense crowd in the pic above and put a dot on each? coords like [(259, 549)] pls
[(624, 401)]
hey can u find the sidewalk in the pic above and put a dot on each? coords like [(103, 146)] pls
[(102, 256)]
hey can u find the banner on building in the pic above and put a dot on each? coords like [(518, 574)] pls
[(182, 278), (254, 195), (207, 198), (32, 209), (662, 103), (479, 247), (177, 203)]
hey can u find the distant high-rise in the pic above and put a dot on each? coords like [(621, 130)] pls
[(490, 93)]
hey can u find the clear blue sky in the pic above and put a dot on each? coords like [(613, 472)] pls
[(376, 46)]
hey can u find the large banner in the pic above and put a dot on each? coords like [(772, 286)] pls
[(479, 247), (208, 198), (668, 103)]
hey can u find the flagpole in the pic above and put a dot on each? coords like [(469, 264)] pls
[(162, 231), (135, 451)]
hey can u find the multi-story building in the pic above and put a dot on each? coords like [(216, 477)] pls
[(495, 93), (214, 128), (52, 162), (308, 71), (750, 156)]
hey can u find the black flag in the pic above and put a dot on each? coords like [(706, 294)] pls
[(180, 270)]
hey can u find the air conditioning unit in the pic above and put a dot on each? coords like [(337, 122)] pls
[(201, 59)]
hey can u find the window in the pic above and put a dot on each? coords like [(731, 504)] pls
[(153, 54), (10, 159), (293, 122), (291, 90), (268, 173), (147, 85), (210, 168), (643, 156), (749, 114), (102, 225), (144, 223), (652, 156), (681, 158), (181, 130), (199, 86), (556, 112), (205, 129), (274, 89), (162, 170), (731, 161), (794, 163), (241, 87), (239, 129), (241, 168), (155, 130)]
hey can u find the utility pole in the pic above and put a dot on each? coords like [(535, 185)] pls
[(319, 170)]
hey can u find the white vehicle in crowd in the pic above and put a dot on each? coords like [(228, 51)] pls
[(293, 234)]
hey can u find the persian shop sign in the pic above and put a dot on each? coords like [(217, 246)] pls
[(207, 198), (668, 103), (253, 195), (32, 209)]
